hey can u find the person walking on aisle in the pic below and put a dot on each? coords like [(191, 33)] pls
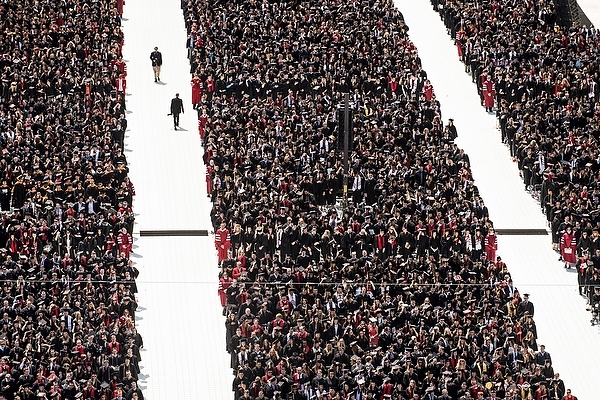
[(156, 57), (176, 109)]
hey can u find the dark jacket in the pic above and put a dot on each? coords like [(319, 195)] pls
[(156, 58), (176, 106)]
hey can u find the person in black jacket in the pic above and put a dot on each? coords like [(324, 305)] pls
[(156, 58), (176, 109)]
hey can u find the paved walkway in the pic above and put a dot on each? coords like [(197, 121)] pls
[(591, 8), (563, 324), (180, 317)]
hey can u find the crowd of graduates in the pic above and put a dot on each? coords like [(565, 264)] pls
[(542, 79), (67, 327), (393, 291)]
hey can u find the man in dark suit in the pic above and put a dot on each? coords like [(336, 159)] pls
[(515, 357), (176, 109), (336, 329), (156, 58)]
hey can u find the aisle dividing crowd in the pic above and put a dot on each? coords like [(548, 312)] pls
[(399, 292), (541, 81)]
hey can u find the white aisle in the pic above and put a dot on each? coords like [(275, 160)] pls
[(563, 324), (180, 315), (591, 8), (499, 181)]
